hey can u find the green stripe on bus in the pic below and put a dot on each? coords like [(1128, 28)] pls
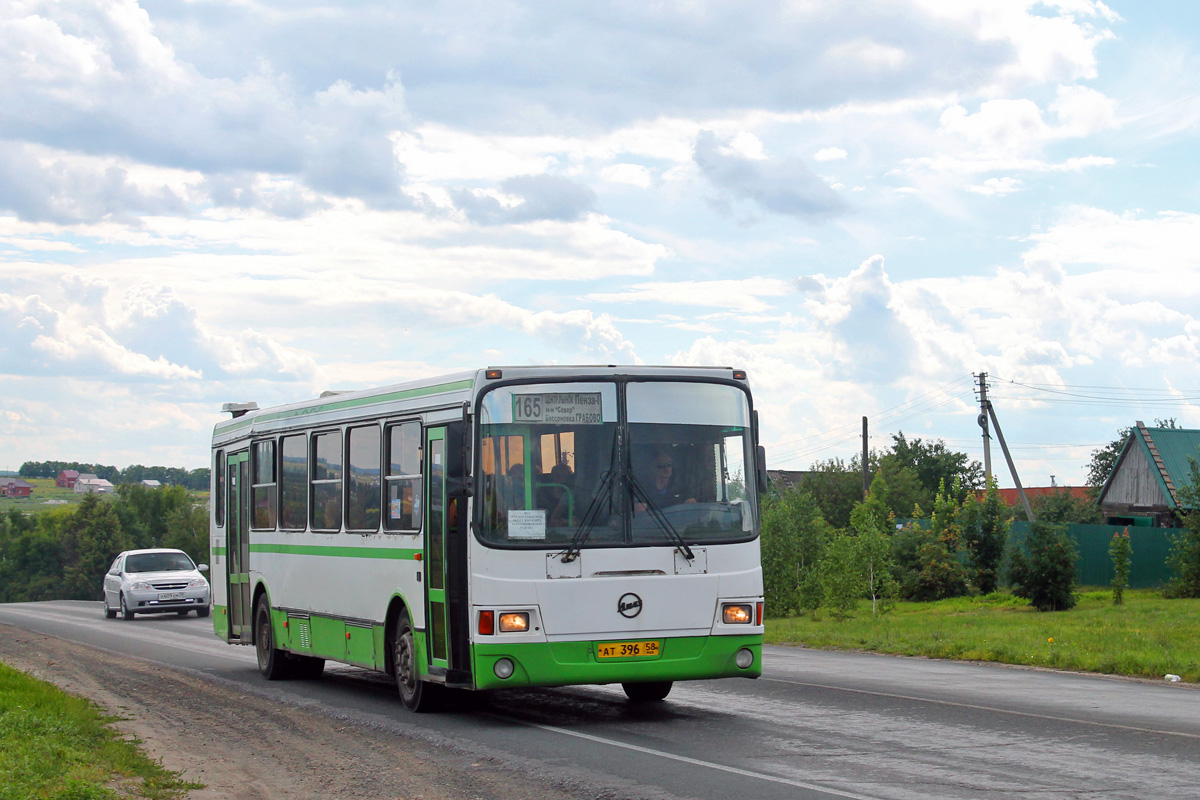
[(334, 551), (407, 394), (218, 551)]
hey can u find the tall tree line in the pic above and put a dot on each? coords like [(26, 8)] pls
[(194, 479)]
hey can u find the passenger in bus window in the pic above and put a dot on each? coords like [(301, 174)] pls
[(556, 496), (665, 489)]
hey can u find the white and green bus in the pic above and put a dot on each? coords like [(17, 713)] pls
[(510, 527)]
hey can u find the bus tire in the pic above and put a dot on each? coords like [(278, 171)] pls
[(272, 663), (416, 694), (648, 692)]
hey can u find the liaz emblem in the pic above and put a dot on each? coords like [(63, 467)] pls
[(630, 605)]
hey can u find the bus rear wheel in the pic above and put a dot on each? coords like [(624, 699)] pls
[(272, 663), (416, 694), (648, 692)]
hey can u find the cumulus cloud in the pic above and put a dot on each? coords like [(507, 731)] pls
[(528, 198), (782, 187), (98, 79)]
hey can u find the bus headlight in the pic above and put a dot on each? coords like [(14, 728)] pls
[(503, 668), (514, 622), (744, 658), (737, 613)]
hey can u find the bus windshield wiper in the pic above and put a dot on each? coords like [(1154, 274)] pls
[(589, 518), (640, 493)]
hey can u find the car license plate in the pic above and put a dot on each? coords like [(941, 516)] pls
[(628, 649), (169, 596)]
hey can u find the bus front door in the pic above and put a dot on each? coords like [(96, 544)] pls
[(237, 545), (436, 609)]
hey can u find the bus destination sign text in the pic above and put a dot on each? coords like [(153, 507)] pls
[(567, 408)]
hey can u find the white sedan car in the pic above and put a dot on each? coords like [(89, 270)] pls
[(155, 581)]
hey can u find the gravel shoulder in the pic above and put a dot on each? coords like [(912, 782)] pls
[(244, 747)]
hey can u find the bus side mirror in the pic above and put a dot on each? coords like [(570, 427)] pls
[(760, 457)]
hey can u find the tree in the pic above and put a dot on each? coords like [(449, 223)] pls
[(836, 487), (985, 522), (1044, 573), (1061, 507), (92, 539), (928, 558), (794, 537), (841, 575), (874, 551), (935, 465), (1120, 550), (1184, 558)]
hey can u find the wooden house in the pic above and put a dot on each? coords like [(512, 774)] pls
[(66, 479), (1144, 485)]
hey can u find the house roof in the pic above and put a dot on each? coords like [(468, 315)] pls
[(785, 478), (1169, 451), (70, 473), (1012, 497)]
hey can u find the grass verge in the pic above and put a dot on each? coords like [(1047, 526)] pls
[(57, 747), (1147, 637)]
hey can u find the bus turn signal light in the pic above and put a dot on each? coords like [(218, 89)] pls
[(737, 614), (487, 623), (517, 622)]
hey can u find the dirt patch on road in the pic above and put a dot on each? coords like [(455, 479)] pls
[(245, 747)]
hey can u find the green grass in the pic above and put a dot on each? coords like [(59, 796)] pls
[(57, 747), (43, 490), (1147, 637)]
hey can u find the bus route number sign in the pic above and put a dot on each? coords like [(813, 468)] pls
[(565, 408)]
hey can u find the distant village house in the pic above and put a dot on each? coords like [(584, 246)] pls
[(66, 479), (90, 484), (15, 487)]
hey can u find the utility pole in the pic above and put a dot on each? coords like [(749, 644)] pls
[(866, 470), (983, 423), (1012, 468)]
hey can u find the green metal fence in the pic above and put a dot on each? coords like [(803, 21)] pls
[(1094, 567)]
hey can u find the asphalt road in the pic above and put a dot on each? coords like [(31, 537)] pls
[(816, 725)]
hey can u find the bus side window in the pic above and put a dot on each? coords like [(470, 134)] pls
[(326, 511), (219, 489), (262, 487), (403, 478), (362, 478), (293, 482)]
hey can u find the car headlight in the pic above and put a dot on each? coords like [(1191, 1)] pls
[(198, 583), (141, 586)]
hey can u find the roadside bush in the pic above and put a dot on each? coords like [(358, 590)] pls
[(841, 573), (1044, 572), (985, 523)]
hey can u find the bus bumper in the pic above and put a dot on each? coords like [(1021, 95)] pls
[(569, 663)]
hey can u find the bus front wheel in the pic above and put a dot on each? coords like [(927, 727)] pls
[(416, 694), (648, 692)]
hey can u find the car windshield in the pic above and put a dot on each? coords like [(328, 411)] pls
[(158, 562), (563, 463)]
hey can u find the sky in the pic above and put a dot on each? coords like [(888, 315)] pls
[(863, 204)]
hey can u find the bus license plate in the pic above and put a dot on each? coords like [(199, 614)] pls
[(169, 596), (628, 649)]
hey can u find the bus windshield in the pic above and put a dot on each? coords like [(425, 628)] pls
[(611, 464)]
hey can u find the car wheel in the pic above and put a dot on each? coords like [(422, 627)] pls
[(202, 611), (108, 612), (649, 692), (182, 612), (272, 663), (125, 612), (416, 694)]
